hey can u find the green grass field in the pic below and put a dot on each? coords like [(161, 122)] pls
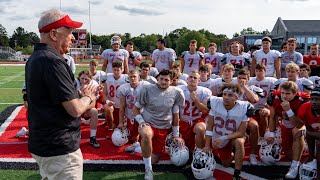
[(11, 81), (34, 175)]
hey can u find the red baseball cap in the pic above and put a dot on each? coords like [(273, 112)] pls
[(66, 21)]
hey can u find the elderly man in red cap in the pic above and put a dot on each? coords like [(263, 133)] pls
[(54, 104)]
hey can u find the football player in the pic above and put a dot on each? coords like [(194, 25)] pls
[(192, 59), (144, 73), (227, 74), (176, 67), (235, 57), (290, 56), (160, 103), (227, 124), (213, 58), (162, 57), (111, 84), (269, 58), (313, 59), (85, 78), (266, 84), (192, 126), (305, 72), (205, 80), (284, 105), (309, 114), (115, 54), (135, 57), (128, 94)]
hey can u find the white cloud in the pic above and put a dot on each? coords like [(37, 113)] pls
[(139, 10)]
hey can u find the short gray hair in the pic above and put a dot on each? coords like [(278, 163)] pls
[(50, 16)]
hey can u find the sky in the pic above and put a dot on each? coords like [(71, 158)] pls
[(161, 16)]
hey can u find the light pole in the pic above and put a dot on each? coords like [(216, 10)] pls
[(90, 26)]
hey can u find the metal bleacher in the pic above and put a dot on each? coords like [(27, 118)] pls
[(7, 53)]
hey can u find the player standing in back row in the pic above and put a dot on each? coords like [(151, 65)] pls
[(192, 59), (163, 58), (269, 58), (115, 54)]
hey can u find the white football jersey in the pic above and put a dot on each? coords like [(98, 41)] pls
[(282, 80), (237, 61), (190, 111), (131, 96), (214, 60), (227, 121), (315, 80), (183, 77), (207, 83), (191, 62), (131, 64), (268, 60), (267, 84), (113, 86), (153, 72), (99, 76), (216, 86), (214, 76), (112, 56), (163, 58), (150, 79)]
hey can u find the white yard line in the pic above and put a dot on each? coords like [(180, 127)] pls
[(10, 78), (11, 103), (4, 126)]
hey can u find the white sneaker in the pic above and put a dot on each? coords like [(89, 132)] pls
[(23, 131), (132, 147), (293, 172), (148, 174), (253, 159)]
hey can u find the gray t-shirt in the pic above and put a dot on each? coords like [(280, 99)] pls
[(287, 58), (158, 104)]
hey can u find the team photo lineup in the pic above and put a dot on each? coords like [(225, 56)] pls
[(200, 107)]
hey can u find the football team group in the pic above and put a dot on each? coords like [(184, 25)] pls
[(210, 105)]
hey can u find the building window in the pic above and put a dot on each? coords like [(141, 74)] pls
[(311, 40), (300, 42)]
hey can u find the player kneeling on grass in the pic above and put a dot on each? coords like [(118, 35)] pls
[(309, 114), (84, 79), (227, 124), (160, 103), (192, 126), (128, 94), (284, 105)]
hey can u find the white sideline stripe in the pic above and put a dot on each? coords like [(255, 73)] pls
[(12, 103), (9, 88), (31, 160), (10, 78), (12, 64), (245, 175), (9, 120), (282, 163)]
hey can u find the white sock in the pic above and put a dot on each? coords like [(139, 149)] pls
[(253, 155), (93, 132), (295, 163), (147, 163), (138, 150)]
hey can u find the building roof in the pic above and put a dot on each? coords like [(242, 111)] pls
[(302, 25)]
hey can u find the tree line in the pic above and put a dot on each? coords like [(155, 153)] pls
[(178, 39)]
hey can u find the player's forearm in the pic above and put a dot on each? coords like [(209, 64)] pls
[(201, 106), (182, 65), (296, 121), (135, 110), (278, 68), (252, 98), (272, 121), (252, 68), (175, 120)]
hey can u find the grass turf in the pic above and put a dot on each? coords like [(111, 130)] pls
[(34, 175)]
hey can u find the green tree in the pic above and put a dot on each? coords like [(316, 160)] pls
[(183, 42), (4, 40)]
